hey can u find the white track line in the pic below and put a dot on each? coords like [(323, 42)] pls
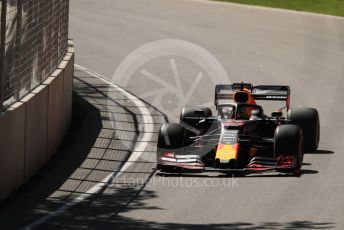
[(139, 148)]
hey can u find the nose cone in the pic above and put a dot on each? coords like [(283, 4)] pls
[(227, 152)]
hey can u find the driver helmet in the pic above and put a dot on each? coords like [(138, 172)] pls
[(227, 112)]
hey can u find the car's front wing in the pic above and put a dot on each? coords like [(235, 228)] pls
[(193, 164)]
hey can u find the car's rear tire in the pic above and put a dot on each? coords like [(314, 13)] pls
[(308, 120), (190, 117), (289, 141)]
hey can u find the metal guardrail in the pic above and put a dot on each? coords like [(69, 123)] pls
[(34, 40)]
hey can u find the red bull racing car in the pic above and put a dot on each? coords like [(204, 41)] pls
[(240, 138)]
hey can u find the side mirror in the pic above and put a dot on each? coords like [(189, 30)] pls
[(277, 114)]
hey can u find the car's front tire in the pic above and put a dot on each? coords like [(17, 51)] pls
[(288, 140), (172, 138)]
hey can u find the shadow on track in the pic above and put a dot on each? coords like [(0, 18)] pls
[(102, 213), (320, 152)]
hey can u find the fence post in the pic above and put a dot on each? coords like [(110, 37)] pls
[(2, 52), (18, 47)]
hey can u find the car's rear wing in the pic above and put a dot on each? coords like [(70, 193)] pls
[(260, 92)]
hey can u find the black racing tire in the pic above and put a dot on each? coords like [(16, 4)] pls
[(190, 118), (308, 120), (289, 140), (172, 137)]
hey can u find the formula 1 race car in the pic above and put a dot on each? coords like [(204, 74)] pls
[(240, 139)]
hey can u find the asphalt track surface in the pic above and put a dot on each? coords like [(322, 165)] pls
[(262, 46), (258, 45)]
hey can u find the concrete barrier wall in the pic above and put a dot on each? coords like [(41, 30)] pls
[(36, 118), (56, 112), (12, 142), (68, 66), (32, 129)]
